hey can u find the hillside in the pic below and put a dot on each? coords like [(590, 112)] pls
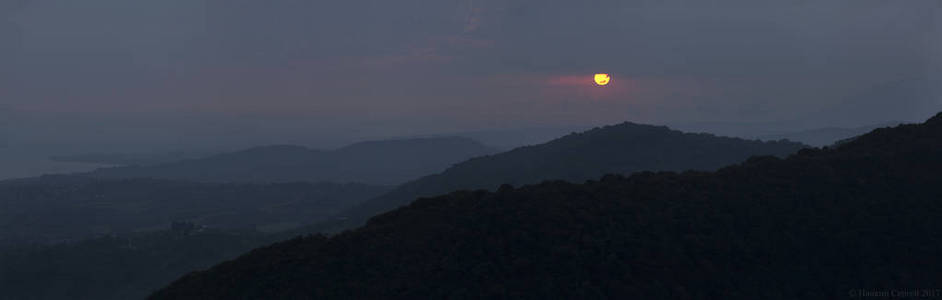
[(62, 208), (389, 162), (616, 149), (820, 224)]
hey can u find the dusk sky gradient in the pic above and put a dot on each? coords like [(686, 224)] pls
[(177, 73)]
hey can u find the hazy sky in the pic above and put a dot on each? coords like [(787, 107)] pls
[(181, 72)]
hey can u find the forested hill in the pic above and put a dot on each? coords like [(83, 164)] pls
[(615, 149), (389, 162), (819, 224)]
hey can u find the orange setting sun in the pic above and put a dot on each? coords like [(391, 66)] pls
[(602, 79)]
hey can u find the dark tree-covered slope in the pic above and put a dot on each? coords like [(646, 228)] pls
[(819, 224), (388, 162), (56, 208), (616, 149)]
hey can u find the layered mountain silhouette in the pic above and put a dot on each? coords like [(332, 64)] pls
[(388, 162), (616, 149), (823, 223), (106, 268)]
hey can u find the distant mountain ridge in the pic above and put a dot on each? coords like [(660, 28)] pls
[(823, 223), (616, 149), (388, 162), (127, 159)]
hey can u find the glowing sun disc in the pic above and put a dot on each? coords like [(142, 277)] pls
[(602, 79)]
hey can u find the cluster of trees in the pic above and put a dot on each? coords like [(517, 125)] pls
[(62, 208), (818, 224)]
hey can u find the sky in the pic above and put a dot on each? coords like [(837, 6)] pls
[(127, 75)]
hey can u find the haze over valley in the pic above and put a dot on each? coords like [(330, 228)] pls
[(470, 149)]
